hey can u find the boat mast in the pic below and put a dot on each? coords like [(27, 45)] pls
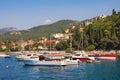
[(82, 40), (81, 30), (71, 43), (50, 44)]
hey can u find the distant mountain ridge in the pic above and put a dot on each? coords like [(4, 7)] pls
[(45, 30), (8, 29), (39, 31)]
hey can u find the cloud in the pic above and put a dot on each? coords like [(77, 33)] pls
[(47, 21)]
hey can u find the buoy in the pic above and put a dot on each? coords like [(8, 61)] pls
[(7, 67)]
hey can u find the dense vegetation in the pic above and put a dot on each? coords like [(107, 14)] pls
[(102, 34)]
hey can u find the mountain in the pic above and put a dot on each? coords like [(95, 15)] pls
[(45, 30), (40, 31), (7, 29)]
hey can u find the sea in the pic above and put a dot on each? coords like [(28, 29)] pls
[(11, 69)]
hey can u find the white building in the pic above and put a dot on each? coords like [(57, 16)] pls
[(60, 36)]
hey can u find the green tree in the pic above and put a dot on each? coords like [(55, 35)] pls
[(115, 41), (77, 39), (90, 48), (113, 12), (106, 33), (103, 43), (62, 45)]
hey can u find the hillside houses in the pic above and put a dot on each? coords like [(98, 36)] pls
[(60, 36), (50, 44), (98, 17), (90, 21), (87, 22), (41, 44), (118, 12), (3, 46), (15, 33)]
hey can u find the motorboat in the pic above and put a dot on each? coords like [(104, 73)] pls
[(44, 61), (22, 56), (5, 55), (65, 56), (70, 61), (105, 56), (82, 56)]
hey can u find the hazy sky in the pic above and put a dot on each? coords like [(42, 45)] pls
[(24, 14)]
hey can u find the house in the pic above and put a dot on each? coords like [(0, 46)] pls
[(42, 40), (57, 35), (3, 46), (21, 44), (30, 42), (51, 42), (98, 17), (15, 33), (102, 16), (118, 12), (60, 36), (87, 23), (67, 31)]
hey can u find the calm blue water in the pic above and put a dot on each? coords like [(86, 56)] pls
[(106, 70)]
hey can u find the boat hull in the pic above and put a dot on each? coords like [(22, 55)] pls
[(82, 59), (82, 56), (73, 62), (44, 63), (20, 57), (5, 56), (106, 57)]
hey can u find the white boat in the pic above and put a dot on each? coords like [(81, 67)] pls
[(82, 56), (23, 56), (20, 57), (5, 55), (41, 61), (70, 61), (68, 58)]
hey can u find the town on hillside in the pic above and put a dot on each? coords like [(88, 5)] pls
[(99, 33)]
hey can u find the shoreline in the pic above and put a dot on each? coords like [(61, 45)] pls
[(10, 52), (94, 52)]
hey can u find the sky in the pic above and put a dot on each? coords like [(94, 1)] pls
[(25, 14)]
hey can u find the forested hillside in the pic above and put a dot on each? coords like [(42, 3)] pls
[(102, 34), (39, 31)]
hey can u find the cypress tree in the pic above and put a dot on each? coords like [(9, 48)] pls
[(113, 12), (113, 31), (101, 33)]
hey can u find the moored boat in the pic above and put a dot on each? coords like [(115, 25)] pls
[(20, 57), (68, 58), (106, 56), (70, 61), (5, 55), (82, 56), (44, 61), (24, 55)]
